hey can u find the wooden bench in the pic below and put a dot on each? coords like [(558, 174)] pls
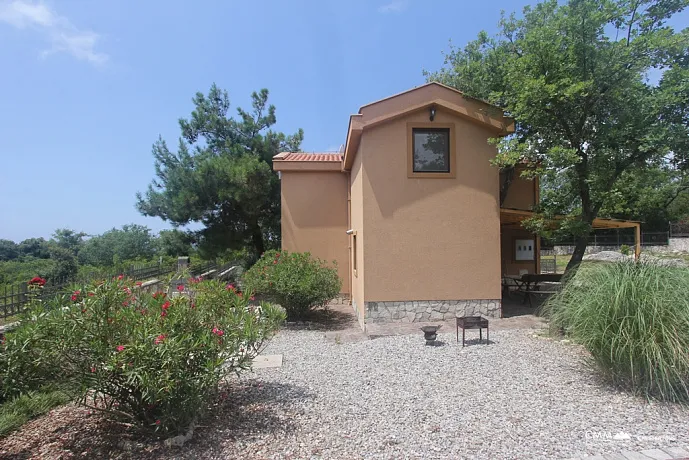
[(553, 287)]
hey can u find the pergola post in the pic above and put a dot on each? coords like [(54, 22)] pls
[(637, 241)]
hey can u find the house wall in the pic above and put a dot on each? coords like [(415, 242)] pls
[(521, 194), (356, 180), (430, 240), (314, 217), (509, 265)]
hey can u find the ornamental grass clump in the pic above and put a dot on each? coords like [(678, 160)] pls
[(295, 280), (634, 320), (153, 359)]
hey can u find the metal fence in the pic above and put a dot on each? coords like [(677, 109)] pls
[(679, 230), (616, 239), (14, 298)]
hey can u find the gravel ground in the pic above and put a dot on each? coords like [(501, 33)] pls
[(520, 397)]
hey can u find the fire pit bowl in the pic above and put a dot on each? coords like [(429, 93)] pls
[(430, 333)]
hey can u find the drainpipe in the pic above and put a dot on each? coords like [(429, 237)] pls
[(349, 239)]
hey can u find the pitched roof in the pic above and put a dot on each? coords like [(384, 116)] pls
[(302, 156)]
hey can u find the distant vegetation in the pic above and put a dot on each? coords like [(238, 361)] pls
[(70, 253)]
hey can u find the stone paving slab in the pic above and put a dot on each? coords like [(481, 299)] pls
[(267, 361)]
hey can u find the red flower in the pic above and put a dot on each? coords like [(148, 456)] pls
[(193, 305), (252, 298), (239, 294), (91, 294), (74, 298), (121, 277), (163, 313), (277, 255), (160, 294), (125, 303), (166, 305), (127, 290), (120, 348), (37, 280), (83, 310), (217, 332), (275, 262), (157, 422), (180, 287), (160, 339), (139, 283)]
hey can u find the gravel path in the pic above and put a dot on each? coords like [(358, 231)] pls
[(393, 397), (521, 397)]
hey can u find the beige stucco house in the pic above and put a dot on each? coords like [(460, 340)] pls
[(421, 225)]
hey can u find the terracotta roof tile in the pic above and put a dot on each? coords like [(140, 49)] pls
[(300, 156)]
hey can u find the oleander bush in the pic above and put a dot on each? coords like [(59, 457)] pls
[(295, 280), (155, 359), (634, 319)]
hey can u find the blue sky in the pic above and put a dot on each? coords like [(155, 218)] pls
[(87, 86)]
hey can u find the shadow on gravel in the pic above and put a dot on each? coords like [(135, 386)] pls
[(242, 411), (326, 319)]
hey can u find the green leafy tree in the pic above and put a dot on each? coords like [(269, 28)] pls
[(69, 239), (174, 243), (65, 268), (655, 195), (8, 250), (131, 242), (221, 175), (34, 247), (575, 78)]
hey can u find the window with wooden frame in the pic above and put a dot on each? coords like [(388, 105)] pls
[(431, 150)]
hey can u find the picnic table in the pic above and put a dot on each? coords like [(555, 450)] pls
[(531, 284)]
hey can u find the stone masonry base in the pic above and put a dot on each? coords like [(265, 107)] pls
[(413, 311)]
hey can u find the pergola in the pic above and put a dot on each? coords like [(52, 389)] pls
[(514, 217)]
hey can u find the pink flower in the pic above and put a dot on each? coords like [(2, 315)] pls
[(230, 287), (121, 277), (252, 298), (120, 348), (166, 305), (93, 370), (217, 332), (180, 287), (127, 290), (239, 294), (160, 339), (139, 283), (157, 422)]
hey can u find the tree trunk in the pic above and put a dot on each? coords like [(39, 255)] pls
[(257, 240), (579, 251)]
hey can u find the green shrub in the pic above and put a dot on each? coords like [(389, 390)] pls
[(298, 282), (634, 320), (156, 359), (625, 250)]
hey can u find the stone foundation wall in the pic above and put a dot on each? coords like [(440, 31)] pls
[(413, 311)]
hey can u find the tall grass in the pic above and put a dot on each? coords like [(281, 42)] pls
[(15, 412), (634, 320)]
